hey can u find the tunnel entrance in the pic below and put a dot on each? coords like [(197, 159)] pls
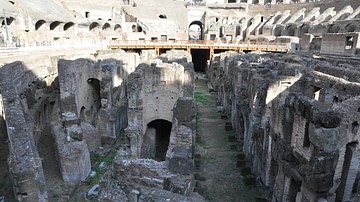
[(46, 150), (156, 140), (200, 58)]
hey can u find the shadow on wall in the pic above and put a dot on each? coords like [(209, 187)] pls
[(27, 102), (95, 92)]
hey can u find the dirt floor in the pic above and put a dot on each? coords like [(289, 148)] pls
[(218, 177)]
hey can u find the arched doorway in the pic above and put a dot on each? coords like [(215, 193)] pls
[(277, 31), (196, 30), (156, 140), (290, 30)]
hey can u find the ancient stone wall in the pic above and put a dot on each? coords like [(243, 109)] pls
[(26, 115), (93, 107), (292, 122), (153, 90)]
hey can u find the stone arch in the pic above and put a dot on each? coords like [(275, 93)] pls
[(82, 114), (303, 30), (351, 27), (9, 21), (55, 25), (334, 29), (156, 139), (39, 25), (196, 34), (68, 25), (117, 28), (290, 30), (94, 26), (277, 31), (106, 27), (136, 28)]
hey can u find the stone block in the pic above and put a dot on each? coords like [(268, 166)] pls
[(74, 161), (181, 161), (180, 184)]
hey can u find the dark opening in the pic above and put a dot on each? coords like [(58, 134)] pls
[(294, 188), (68, 25), (106, 26), (349, 42), (163, 50), (291, 30), (306, 142), (237, 31), (53, 25), (46, 149), (94, 92), (87, 14), (94, 26), (350, 28), (38, 24), (221, 31), (334, 29), (354, 127), (156, 140), (277, 31), (231, 1), (196, 30), (200, 58), (9, 20), (117, 28)]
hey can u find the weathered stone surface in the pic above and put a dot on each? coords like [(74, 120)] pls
[(294, 122), (180, 184), (327, 139), (181, 161), (183, 109)]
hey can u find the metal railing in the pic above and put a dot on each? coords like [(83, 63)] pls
[(201, 43)]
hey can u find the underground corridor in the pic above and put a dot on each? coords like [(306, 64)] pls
[(156, 140), (200, 58)]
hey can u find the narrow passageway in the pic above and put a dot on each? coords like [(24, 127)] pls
[(218, 177)]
